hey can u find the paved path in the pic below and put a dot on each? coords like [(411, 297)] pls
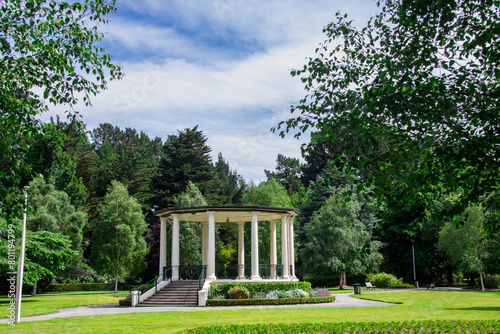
[(341, 300)]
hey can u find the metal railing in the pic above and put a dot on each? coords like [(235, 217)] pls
[(190, 272), (146, 286), (203, 275), (232, 271), (271, 271), (266, 271)]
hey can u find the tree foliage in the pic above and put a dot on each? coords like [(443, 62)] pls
[(231, 185), (47, 254), (339, 237), (118, 244), (288, 173), (185, 157), (466, 244), (54, 212), (49, 53), (47, 156), (420, 84), (125, 156), (267, 194)]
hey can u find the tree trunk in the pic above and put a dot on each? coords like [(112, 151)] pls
[(482, 282), (472, 279), (449, 275), (116, 283), (33, 292), (342, 280)]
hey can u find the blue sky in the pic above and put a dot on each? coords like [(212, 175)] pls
[(224, 65)]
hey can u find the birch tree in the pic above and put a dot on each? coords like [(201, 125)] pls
[(119, 248)]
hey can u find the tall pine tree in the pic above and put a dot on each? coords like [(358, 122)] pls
[(185, 157)]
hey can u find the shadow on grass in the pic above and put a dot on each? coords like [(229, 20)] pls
[(23, 301), (477, 308)]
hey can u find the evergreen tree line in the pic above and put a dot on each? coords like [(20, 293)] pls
[(405, 152), (93, 195)]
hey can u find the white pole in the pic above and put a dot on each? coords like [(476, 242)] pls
[(20, 264)]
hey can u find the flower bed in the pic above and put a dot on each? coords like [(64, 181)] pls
[(279, 301), (221, 289), (282, 293), (461, 326)]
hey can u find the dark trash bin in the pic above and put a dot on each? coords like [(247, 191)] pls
[(357, 288)]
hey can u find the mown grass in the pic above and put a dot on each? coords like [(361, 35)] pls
[(415, 305), (46, 304), (350, 289)]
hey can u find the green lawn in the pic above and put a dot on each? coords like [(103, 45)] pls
[(350, 289), (46, 304), (416, 305)]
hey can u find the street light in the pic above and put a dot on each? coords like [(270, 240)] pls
[(20, 264), (414, 271)]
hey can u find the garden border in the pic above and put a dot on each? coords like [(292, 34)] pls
[(280, 301)]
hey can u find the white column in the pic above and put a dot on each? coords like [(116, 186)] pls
[(175, 248), (255, 246), (204, 243), (274, 259), (284, 246), (291, 245), (211, 246), (241, 250), (163, 245)]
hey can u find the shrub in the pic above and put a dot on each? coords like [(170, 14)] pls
[(238, 292), (258, 295), (383, 280), (276, 301), (320, 293), (125, 302), (296, 293), (273, 295), (492, 281), (258, 287)]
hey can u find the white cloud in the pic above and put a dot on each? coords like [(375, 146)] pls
[(263, 22), (221, 64)]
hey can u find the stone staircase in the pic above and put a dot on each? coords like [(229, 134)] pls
[(177, 293)]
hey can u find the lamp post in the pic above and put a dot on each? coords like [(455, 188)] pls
[(20, 263), (414, 271)]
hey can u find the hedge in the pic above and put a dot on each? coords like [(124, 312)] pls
[(258, 287), (85, 287), (280, 301), (125, 302), (459, 327)]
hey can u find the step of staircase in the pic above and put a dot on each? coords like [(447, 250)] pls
[(177, 293)]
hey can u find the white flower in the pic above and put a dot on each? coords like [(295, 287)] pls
[(272, 295)]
